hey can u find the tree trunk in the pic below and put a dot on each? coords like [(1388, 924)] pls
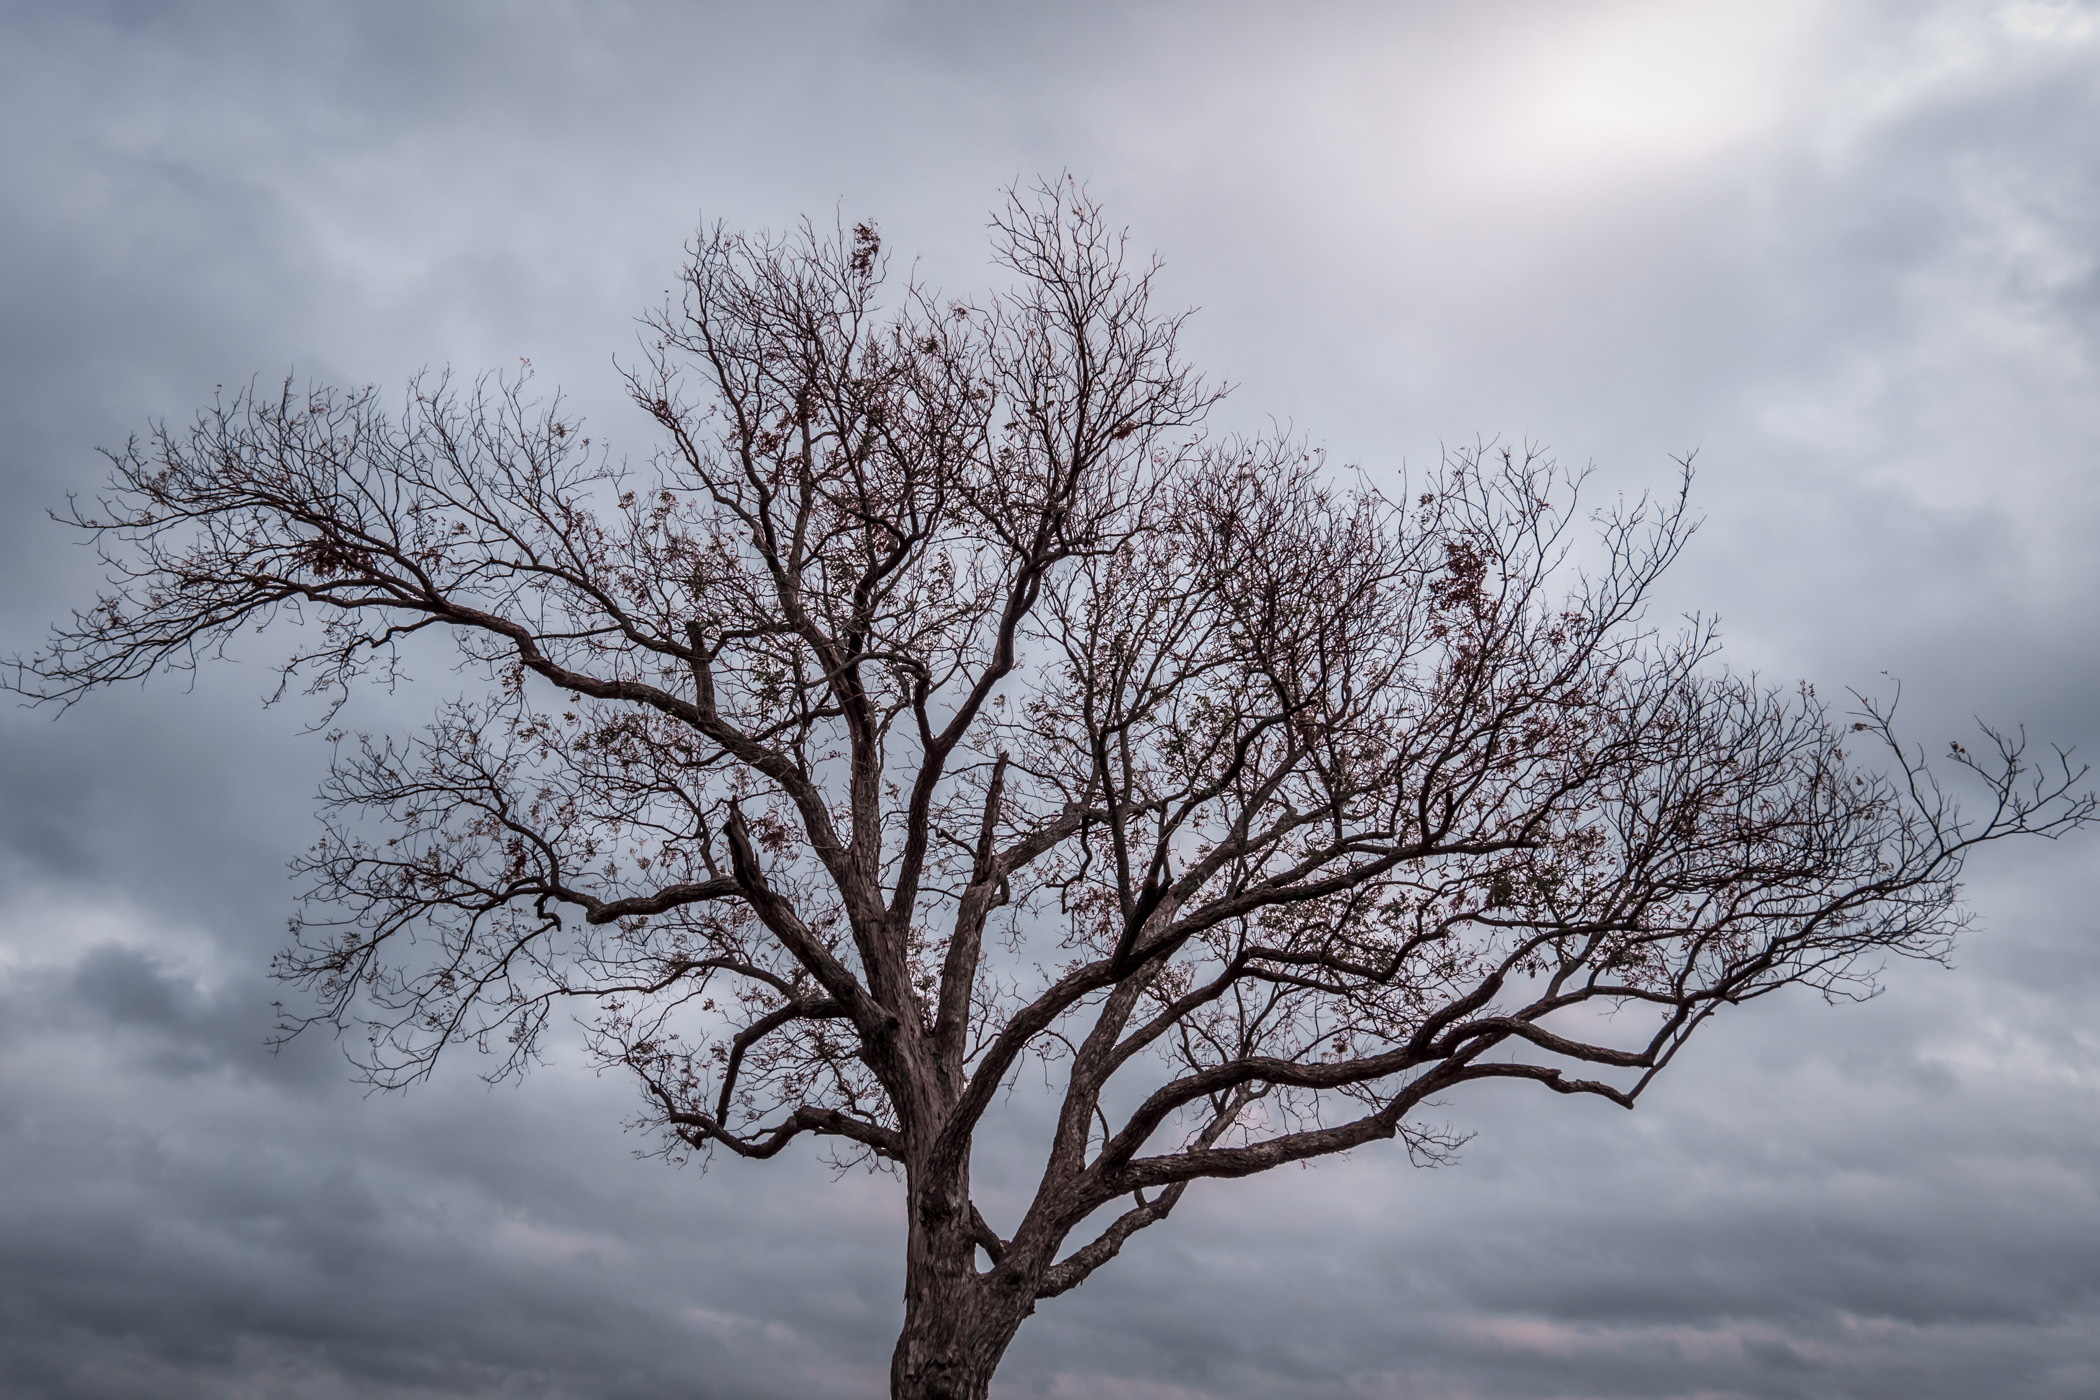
[(948, 1352), (957, 1324)]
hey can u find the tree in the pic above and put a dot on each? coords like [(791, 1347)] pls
[(942, 697)]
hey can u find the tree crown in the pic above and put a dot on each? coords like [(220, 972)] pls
[(943, 693)]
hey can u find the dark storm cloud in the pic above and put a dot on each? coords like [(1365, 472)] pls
[(1849, 258)]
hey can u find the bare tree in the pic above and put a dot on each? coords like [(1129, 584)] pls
[(942, 697)]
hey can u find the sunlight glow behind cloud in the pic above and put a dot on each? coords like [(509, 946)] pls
[(1610, 95)]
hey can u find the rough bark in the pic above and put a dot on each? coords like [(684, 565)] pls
[(957, 1322)]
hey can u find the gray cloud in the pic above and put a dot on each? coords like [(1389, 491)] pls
[(1847, 253)]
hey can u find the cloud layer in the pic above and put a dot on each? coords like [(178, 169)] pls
[(1844, 253)]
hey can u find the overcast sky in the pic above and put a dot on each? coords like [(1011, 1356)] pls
[(1844, 251)]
